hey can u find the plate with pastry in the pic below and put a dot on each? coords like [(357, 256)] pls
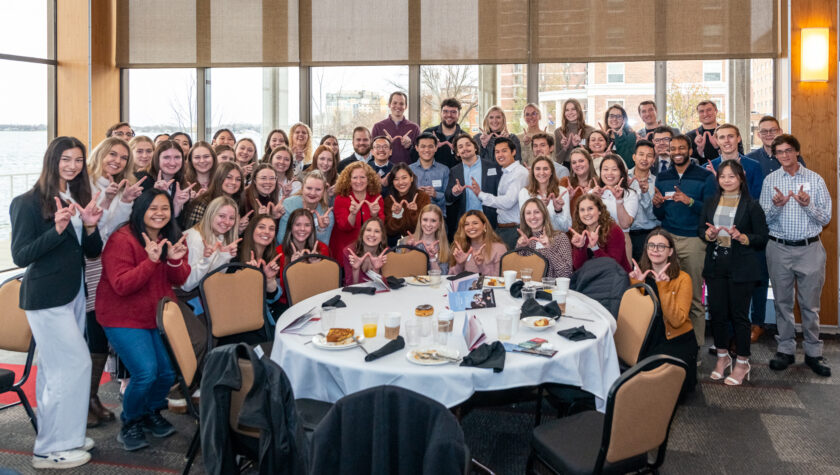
[(337, 339), (494, 282), (433, 356), (538, 323), (419, 280)]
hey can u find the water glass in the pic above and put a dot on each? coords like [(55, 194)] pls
[(327, 318), (412, 332), (525, 274), (434, 278), (548, 284), (504, 322), (528, 293)]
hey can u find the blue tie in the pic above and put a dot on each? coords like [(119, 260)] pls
[(663, 165)]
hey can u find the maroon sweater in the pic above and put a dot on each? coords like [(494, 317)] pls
[(614, 248), (132, 285)]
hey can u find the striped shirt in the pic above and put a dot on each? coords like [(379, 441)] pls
[(794, 221)]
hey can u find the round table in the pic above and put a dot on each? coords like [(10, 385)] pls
[(328, 375)]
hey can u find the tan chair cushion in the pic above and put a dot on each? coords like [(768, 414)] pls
[(404, 264), (304, 279), (237, 399), (643, 408), (634, 316), (235, 302), (15, 334), (179, 340), (514, 261)]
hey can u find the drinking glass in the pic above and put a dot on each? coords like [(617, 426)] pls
[(327, 318), (412, 332), (526, 274), (528, 293), (370, 323), (392, 325), (434, 278), (548, 284)]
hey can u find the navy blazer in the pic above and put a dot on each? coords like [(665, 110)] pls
[(489, 183), (54, 262), (749, 220)]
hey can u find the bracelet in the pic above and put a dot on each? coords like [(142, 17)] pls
[(621, 201), (180, 261)]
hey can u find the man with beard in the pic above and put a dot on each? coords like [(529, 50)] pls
[(446, 131), (398, 128), (678, 204), (361, 148), (460, 197)]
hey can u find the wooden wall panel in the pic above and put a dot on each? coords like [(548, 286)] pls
[(814, 122)]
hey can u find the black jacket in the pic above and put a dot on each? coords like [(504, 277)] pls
[(269, 407), (602, 279), (750, 220), (490, 176), (344, 162), (54, 262)]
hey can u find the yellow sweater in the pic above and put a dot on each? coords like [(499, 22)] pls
[(675, 300)]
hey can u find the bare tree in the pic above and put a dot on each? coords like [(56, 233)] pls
[(184, 108), (682, 98), (442, 82)]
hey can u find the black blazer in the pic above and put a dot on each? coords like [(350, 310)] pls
[(347, 161), (490, 176), (54, 262), (750, 220)]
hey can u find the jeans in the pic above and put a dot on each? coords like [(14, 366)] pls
[(145, 357)]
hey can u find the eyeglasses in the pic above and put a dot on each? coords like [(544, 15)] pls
[(124, 134), (381, 147), (787, 151), (768, 131), (659, 247), (615, 116), (662, 140)]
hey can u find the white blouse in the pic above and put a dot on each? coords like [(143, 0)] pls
[(631, 205)]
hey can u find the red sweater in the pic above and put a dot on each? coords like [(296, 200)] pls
[(343, 233), (322, 249), (614, 248), (132, 285)]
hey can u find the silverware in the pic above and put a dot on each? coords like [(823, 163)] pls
[(356, 339), (310, 341), (434, 355), (578, 318)]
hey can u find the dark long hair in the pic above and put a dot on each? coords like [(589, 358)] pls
[(48, 184), (247, 245), (214, 190), (412, 189), (738, 170), (311, 241), (137, 223), (674, 267)]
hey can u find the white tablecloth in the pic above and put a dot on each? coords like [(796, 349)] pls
[(327, 375)]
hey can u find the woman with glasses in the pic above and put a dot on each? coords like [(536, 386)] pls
[(532, 116), (620, 133)]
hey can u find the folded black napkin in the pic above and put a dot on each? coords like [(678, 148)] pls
[(577, 334), (360, 290), (532, 308), (334, 302), (394, 283), (487, 356), (516, 291), (387, 349), (460, 275)]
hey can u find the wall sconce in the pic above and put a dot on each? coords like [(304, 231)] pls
[(814, 67)]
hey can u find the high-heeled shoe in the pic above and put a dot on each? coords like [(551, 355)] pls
[(718, 376), (730, 381)]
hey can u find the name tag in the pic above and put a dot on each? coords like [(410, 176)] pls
[(491, 172), (669, 194), (805, 187), (437, 183), (381, 173)]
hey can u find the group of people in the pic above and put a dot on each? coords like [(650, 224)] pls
[(104, 237)]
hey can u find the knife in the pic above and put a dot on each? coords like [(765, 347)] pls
[(356, 339)]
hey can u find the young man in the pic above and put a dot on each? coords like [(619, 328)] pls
[(506, 200), (459, 195), (380, 160), (728, 138), (398, 129), (543, 146), (446, 132), (648, 114), (768, 129), (361, 148), (662, 149), (432, 177), (643, 181), (704, 146), (798, 207), (121, 130), (678, 204)]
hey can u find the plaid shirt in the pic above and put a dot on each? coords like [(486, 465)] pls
[(793, 221)]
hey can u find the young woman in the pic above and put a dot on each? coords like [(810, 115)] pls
[(201, 163), (299, 239), (598, 146), (281, 160), (532, 116), (595, 234), (212, 241), (257, 249), (141, 264), (224, 153), (245, 152), (142, 148), (537, 233), (300, 143), (261, 195), (183, 140), (227, 181), (367, 253), (403, 203), (573, 132), (544, 184), (167, 174), (735, 229), (276, 138), (326, 161), (672, 335), (582, 176), (313, 198), (621, 201), (476, 248), (53, 225), (430, 236), (357, 199), (621, 135), (331, 142), (223, 137), (495, 125)]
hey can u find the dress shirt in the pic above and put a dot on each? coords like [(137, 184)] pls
[(436, 176), (645, 219), (561, 221), (631, 204), (514, 178), (768, 163), (794, 221), (560, 170), (399, 154), (472, 172), (445, 154)]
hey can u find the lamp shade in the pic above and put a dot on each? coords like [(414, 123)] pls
[(814, 55)]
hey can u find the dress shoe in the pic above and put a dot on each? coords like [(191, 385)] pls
[(102, 413), (781, 361), (755, 333), (819, 365)]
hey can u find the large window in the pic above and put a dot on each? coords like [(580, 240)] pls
[(162, 101)]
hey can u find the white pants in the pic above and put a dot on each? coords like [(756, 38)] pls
[(63, 382)]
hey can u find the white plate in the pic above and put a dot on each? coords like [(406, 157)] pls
[(321, 342), (412, 281), (529, 322), (500, 282), (410, 356)]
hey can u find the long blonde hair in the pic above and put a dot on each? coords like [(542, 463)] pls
[(96, 163), (205, 226), (440, 235), (307, 147), (486, 123)]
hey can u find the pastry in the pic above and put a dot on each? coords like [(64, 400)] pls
[(339, 335), (424, 310), (541, 322)]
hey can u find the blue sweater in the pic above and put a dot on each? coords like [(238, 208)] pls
[(755, 175), (696, 183)]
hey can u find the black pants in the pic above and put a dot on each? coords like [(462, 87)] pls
[(637, 239), (729, 303), (96, 340)]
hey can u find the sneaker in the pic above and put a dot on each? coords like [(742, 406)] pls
[(157, 425), (781, 361), (819, 365), (177, 406), (132, 437), (88, 446), (61, 459)]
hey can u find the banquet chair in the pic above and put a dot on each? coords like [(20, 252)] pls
[(233, 296), (304, 278), (405, 261), (640, 408), (512, 260), (634, 323), (16, 336), (176, 340)]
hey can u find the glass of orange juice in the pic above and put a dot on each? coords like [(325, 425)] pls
[(370, 322)]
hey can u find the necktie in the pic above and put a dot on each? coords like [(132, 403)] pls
[(663, 165)]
